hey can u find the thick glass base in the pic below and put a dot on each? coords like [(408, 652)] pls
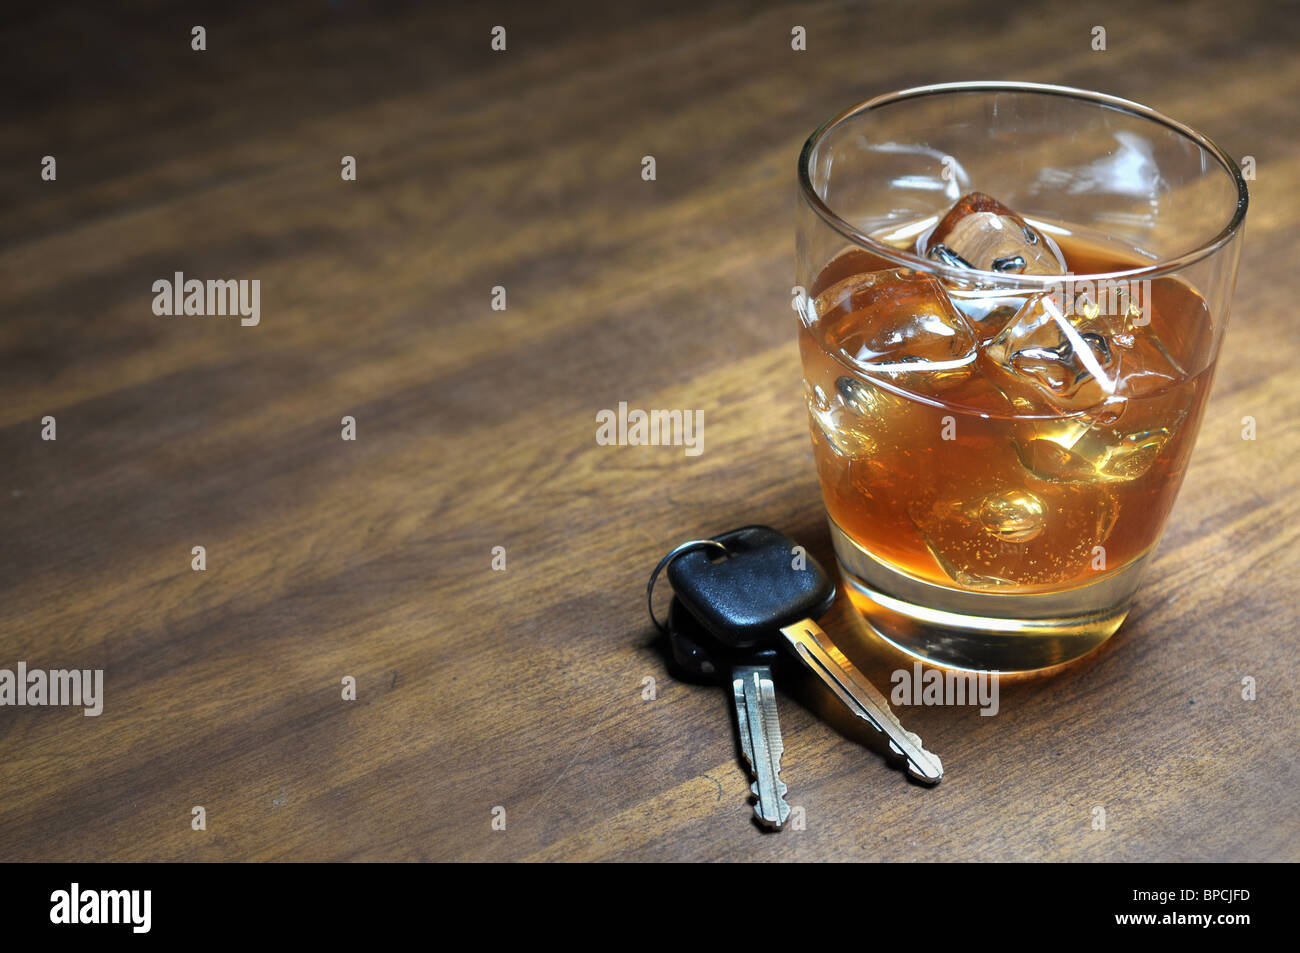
[(989, 630)]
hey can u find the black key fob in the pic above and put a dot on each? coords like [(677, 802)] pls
[(763, 584)]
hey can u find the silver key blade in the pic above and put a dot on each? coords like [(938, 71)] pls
[(827, 662), (760, 739)]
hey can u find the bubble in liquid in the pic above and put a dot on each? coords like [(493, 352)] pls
[(1016, 516)]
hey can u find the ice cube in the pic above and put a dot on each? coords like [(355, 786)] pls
[(986, 309), (1046, 360), (1013, 536), (845, 432), (881, 422), (1016, 516), (1148, 366), (980, 232), (954, 570), (899, 323), (866, 399), (1113, 448)]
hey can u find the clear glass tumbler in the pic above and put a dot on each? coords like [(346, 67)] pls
[(1012, 302)]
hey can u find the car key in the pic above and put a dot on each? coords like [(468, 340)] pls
[(749, 672), (756, 595)]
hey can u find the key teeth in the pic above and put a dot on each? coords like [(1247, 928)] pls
[(782, 808), (925, 778), (912, 769)]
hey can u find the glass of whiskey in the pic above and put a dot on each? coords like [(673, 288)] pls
[(1011, 299)]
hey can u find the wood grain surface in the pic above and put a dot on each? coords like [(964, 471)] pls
[(523, 688)]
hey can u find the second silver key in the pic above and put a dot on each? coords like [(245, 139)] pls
[(760, 740), (758, 730), (824, 659)]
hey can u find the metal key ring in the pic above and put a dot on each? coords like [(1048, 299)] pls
[(677, 551)]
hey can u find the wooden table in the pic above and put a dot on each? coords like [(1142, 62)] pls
[(475, 428)]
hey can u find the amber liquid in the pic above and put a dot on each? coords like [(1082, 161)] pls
[(962, 489)]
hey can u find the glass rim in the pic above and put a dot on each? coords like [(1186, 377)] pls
[(910, 260)]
